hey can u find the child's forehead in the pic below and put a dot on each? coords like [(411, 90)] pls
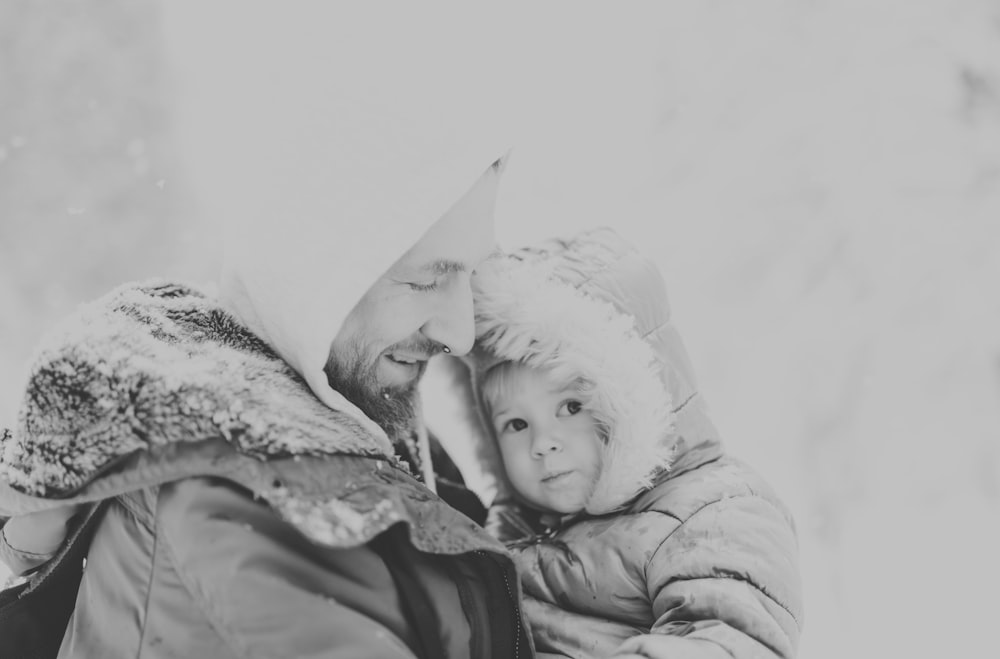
[(508, 379), (520, 372)]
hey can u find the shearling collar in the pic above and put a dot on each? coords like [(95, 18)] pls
[(156, 364)]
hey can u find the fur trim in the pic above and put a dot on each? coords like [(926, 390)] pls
[(525, 312), (156, 364)]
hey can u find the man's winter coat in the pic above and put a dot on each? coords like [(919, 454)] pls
[(244, 510), (257, 512), (682, 550)]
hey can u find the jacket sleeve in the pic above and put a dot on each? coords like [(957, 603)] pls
[(265, 589), (31, 540), (725, 583), (20, 561)]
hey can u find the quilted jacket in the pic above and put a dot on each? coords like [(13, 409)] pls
[(682, 550)]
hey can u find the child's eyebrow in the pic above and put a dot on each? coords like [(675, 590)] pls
[(498, 413)]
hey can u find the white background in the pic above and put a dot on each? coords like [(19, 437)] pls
[(819, 181)]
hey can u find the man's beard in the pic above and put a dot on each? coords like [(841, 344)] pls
[(392, 408)]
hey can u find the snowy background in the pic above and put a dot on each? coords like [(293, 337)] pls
[(820, 182)]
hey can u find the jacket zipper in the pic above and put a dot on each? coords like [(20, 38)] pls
[(510, 597)]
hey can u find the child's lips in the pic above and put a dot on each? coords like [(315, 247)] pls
[(556, 477)]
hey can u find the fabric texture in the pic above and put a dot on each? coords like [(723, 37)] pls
[(682, 550), (220, 460), (20, 560)]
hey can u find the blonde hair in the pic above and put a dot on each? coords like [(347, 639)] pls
[(500, 380)]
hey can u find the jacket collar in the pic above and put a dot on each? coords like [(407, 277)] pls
[(156, 364)]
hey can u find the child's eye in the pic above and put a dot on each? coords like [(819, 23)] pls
[(515, 425), (573, 407)]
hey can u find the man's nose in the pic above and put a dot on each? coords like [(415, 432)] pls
[(453, 323)]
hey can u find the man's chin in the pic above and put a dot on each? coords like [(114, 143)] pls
[(392, 409), (384, 390)]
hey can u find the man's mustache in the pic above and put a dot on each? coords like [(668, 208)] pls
[(417, 347)]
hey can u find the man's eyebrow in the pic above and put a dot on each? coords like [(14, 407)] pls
[(444, 267), (448, 266)]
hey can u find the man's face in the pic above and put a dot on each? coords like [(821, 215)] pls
[(421, 305)]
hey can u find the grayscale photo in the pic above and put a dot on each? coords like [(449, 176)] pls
[(589, 330)]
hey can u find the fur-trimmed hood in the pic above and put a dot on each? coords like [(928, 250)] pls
[(592, 306), (158, 364)]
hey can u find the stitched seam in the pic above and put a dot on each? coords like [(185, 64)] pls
[(754, 638), (135, 510), (657, 328), (690, 517), (24, 552), (665, 514), (149, 580), (685, 402), (736, 577), (226, 634), (467, 599), (604, 267), (720, 646)]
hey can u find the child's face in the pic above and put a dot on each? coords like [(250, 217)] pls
[(550, 444)]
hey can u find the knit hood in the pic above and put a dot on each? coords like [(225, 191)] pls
[(592, 306), (294, 282)]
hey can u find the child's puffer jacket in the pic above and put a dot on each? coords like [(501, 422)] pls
[(682, 551)]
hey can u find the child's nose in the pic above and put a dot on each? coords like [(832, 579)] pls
[(545, 443)]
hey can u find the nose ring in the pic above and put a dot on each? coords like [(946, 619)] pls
[(446, 350)]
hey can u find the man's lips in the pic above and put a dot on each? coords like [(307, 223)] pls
[(406, 360)]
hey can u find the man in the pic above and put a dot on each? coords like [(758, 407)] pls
[(262, 447), (249, 520)]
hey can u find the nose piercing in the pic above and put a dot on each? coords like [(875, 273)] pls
[(446, 350)]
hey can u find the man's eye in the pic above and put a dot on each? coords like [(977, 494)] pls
[(422, 288), (516, 425), (573, 407)]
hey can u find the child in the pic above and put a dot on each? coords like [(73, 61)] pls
[(643, 537)]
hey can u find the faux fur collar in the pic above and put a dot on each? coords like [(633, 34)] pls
[(159, 363)]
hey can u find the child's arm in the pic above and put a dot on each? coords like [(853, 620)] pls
[(725, 583), (27, 541)]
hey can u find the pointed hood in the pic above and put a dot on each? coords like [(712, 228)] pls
[(295, 281), (329, 139), (592, 306)]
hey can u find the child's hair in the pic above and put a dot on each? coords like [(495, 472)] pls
[(499, 381)]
